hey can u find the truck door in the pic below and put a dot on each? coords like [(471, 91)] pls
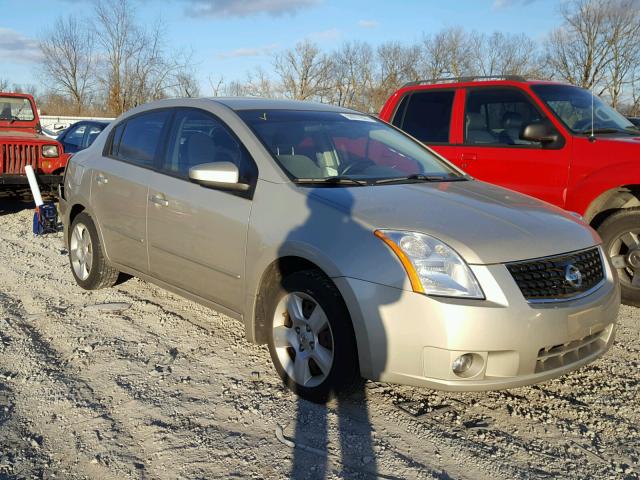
[(492, 150)]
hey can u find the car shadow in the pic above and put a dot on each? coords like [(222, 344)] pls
[(314, 456), (15, 201)]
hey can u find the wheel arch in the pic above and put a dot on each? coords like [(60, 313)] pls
[(611, 201), (270, 278)]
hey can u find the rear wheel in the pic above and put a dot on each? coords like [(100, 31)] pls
[(311, 339), (621, 237), (88, 263)]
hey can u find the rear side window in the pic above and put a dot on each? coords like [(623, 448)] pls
[(138, 139), (426, 115)]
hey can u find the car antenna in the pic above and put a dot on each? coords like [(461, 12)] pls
[(592, 137)]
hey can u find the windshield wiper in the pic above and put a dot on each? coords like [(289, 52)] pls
[(337, 180), (420, 177), (589, 131), (17, 115)]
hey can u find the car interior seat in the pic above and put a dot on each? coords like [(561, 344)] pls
[(284, 144), (512, 123), (477, 131)]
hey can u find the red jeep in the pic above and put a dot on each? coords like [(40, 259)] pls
[(21, 143), (549, 140)]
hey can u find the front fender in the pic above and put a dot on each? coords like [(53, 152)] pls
[(613, 175)]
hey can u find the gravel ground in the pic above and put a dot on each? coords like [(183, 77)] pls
[(153, 386)]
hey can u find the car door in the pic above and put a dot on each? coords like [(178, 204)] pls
[(120, 187), (427, 115), (72, 139), (197, 235), (493, 151)]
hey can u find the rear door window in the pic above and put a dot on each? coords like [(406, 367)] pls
[(140, 141), (426, 115)]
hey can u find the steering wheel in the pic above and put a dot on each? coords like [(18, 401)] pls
[(580, 125), (361, 164)]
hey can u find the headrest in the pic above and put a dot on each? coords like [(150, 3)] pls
[(475, 121), (511, 120)]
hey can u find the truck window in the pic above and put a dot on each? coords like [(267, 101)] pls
[(426, 115), (497, 116)]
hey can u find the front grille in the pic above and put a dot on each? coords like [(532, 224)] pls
[(15, 156), (556, 356), (546, 279)]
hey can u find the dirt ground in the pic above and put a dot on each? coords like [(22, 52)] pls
[(135, 382)]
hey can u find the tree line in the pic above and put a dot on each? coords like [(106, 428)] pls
[(111, 63)]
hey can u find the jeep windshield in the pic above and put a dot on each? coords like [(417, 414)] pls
[(16, 109), (573, 106), (344, 149)]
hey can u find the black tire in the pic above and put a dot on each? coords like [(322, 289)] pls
[(611, 230), (101, 274), (344, 375)]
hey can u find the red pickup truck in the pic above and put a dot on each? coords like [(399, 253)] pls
[(549, 140), (22, 143)]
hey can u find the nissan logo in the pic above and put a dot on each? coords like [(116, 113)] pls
[(573, 276)]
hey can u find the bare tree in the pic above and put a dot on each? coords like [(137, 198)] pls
[(352, 75), (217, 85), (137, 67), (304, 72), (624, 34), (68, 60), (579, 51), (4, 84), (396, 65), (505, 54)]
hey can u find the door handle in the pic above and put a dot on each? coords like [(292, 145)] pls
[(467, 158), (101, 179), (159, 199)]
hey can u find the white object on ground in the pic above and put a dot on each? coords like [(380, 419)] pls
[(33, 183)]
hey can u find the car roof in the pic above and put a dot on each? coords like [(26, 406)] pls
[(255, 103), (476, 81)]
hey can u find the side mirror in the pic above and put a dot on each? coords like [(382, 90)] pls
[(539, 132), (223, 175)]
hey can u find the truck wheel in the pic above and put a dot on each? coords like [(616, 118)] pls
[(620, 234), (88, 263), (311, 339)]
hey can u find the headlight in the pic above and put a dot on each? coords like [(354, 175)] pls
[(49, 151), (433, 267)]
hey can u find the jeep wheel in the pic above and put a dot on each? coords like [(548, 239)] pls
[(88, 263), (311, 339), (621, 237)]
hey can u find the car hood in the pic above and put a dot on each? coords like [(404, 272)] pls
[(483, 223), (24, 136)]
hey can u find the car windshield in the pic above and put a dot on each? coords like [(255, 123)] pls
[(344, 148), (573, 106), (16, 109)]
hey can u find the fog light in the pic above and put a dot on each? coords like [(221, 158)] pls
[(462, 363)]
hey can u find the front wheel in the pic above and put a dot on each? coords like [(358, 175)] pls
[(620, 234), (311, 339)]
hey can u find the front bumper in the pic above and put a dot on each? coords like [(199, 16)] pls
[(11, 179), (409, 338)]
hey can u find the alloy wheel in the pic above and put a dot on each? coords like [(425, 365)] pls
[(303, 339), (81, 251), (624, 252)]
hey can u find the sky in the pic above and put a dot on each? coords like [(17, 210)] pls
[(228, 38)]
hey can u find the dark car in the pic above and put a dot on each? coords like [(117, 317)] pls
[(80, 135), (634, 120)]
